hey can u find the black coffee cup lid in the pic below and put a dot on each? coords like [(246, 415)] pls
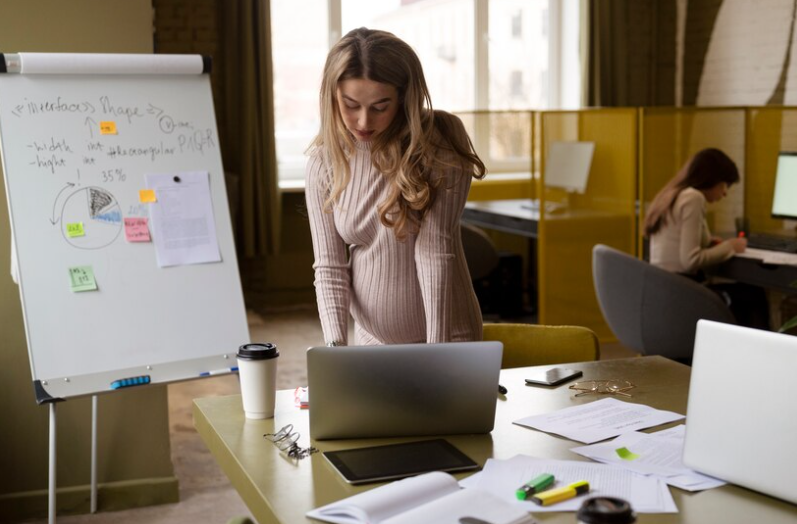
[(258, 351), (606, 510)]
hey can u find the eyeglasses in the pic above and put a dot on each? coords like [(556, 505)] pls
[(286, 440), (603, 387)]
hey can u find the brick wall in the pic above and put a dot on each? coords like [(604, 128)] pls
[(189, 27), (735, 53)]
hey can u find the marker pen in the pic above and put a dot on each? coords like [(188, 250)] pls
[(552, 496), (535, 485), (221, 371)]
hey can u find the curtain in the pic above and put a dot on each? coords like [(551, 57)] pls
[(604, 45), (246, 122)]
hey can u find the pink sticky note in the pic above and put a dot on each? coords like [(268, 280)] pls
[(136, 230)]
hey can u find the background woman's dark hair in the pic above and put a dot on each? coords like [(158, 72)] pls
[(705, 170)]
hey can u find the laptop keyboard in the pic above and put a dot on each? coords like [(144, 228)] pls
[(772, 242)]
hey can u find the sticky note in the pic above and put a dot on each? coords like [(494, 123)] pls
[(82, 279), (136, 230), (108, 128), (626, 454), (75, 229), (147, 196)]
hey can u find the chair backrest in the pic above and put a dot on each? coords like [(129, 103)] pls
[(649, 309), (480, 251), (535, 345)]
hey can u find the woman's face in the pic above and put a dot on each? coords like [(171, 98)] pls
[(716, 192), (367, 107)]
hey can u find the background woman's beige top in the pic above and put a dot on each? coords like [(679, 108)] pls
[(412, 291), (682, 243)]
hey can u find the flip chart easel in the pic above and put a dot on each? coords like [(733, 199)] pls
[(78, 135)]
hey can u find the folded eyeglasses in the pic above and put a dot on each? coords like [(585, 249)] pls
[(286, 440)]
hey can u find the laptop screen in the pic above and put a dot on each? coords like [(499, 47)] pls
[(784, 204)]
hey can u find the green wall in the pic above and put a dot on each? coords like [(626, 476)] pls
[(134, 463)]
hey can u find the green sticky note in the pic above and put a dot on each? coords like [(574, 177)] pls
[(75, 229), (82, 279), (626, 454)]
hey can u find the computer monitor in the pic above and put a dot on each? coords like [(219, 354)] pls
[(784, 203), (567, 166)]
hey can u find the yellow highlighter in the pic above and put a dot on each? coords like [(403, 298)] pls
[(552, 496)]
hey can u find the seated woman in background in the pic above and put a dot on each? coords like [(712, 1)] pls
[(681, 242)]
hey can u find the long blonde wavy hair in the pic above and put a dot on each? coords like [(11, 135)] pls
[(408, 150)]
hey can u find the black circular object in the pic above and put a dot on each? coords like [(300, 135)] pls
[(606, 510), (258, 351)]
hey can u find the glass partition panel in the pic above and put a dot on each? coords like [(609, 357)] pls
[(671, 136), (769, 131), (588, 196)]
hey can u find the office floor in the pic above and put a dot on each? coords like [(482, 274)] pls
[(206, 495)]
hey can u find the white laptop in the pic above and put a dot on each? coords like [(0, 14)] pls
[(741, 421), (403, 390)]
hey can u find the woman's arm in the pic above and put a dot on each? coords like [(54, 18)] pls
[(689, 210), (435, 246), (332, 270)]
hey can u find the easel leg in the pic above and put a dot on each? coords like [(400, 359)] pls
[(94, 453), (51, 486)]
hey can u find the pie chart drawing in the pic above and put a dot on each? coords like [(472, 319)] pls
[(100, 214)]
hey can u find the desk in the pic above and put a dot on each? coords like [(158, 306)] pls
[(753, 271), (279, 490), (510, 216)]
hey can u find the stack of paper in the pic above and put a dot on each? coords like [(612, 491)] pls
[(599, 420), (502, 477), (656, 454)]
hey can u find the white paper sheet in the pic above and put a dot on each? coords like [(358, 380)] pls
[(183, 227), (599, 420), (658, 454), (770, 257), (502, 477)]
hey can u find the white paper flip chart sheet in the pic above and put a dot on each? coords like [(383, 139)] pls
[(79, 134)]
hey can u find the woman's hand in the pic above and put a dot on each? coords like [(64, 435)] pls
[(738, 244)]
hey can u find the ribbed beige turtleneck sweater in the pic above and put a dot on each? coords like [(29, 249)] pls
[(683, 244), (413, 291)]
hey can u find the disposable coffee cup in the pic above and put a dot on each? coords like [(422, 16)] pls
[(257, 368), (605, 510)]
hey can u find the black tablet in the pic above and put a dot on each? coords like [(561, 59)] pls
[(394, 461)]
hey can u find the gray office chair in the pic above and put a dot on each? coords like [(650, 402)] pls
[(651, 310)]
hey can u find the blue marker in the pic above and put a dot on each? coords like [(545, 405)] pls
[(132, 381), (221, 371)]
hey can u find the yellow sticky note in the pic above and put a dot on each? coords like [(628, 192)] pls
[(107, 128), (626, 454), (75, 229), (81, 278), (147, 196)]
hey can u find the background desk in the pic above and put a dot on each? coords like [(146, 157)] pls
[(278, 490), (753, 271), (510, 216)]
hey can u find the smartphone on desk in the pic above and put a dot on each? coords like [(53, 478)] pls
[(553, 377)]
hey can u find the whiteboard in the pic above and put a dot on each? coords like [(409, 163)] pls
[(166, 324)]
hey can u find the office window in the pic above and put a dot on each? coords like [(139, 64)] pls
[(476, 54), (517, 24)]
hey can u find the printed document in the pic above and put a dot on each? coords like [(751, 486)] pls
[(599, 420), (502, 477), (181, 218), (657, 454)]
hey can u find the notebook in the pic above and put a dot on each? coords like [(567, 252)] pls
[(741, 421), (403, 390)]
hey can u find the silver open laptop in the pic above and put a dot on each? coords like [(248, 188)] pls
[(403, 390), (741, 421)]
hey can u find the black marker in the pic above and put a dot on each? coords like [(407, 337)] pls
[(502, 390)]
